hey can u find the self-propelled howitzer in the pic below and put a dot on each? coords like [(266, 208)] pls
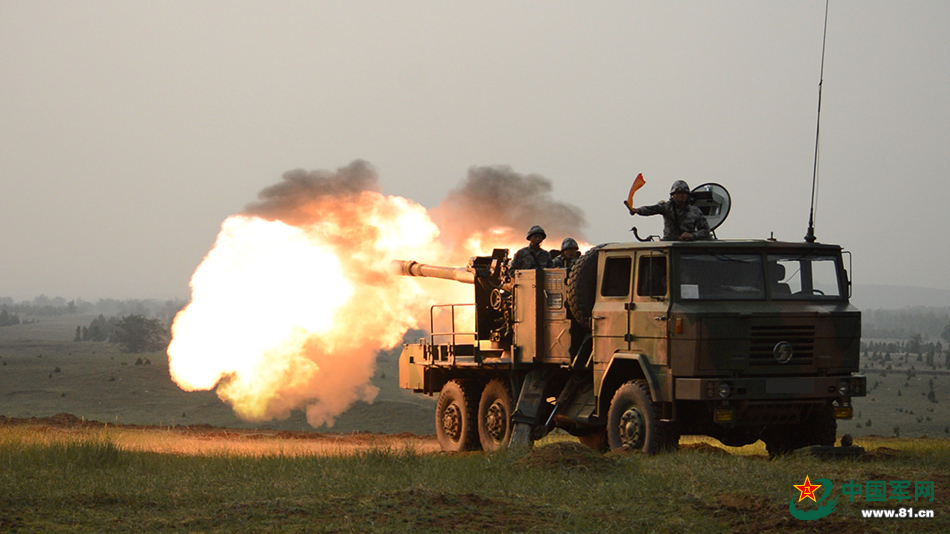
[(639, 343)]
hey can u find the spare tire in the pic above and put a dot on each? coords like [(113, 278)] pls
[(582, 287)]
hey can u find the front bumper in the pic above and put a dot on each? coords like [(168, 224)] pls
[(770, 388)]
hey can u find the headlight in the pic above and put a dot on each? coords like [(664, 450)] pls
[(843, 388), (724, 390)]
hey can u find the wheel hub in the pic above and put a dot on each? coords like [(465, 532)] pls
[(495, 421), (452, 422), (632, 429)]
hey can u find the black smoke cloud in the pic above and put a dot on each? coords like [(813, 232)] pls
[(493, 201), (496, 197), (291, 199)]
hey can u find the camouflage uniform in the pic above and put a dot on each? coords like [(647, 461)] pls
[(529, 258), (563, 262), (677, 220)]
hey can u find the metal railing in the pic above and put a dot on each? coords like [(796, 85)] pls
[(452, 335)]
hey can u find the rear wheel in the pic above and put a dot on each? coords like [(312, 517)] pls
[(494, 416), (456, 414)]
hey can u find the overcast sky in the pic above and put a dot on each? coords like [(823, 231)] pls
[(130, 130)]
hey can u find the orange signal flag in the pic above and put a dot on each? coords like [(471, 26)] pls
[(637, 184)]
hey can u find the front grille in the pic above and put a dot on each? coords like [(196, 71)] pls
[(764, 339)]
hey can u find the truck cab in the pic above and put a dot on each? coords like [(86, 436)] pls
[(739, 340)]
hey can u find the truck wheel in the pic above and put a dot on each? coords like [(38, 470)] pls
[(455, 416), (582, 287), (631, 420), (494, 416)]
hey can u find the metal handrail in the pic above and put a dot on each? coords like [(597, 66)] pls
[(453, 334)]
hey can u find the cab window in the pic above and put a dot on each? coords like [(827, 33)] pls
[(651, 277), (616, 281)]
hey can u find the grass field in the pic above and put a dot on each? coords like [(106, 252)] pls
[(199, 468), (105, 480), (43, 372)]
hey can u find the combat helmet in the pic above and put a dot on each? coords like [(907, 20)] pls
[(568, 243), (679, 186), (536, 230)]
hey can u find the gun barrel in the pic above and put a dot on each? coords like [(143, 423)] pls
[(413, 268)]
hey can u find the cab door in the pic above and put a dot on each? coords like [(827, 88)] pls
[(651, 304), (610, 317)]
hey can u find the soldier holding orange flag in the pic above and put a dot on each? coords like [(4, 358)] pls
[(681, 220)]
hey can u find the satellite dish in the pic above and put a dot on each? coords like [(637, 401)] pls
[(714, 201)]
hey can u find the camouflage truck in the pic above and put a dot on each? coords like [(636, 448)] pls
[(640, 343)]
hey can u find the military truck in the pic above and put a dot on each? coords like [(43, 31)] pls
[(640, 343)]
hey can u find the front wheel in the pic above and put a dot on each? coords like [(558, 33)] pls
[(631, 420), (494, 416), (456, 414)]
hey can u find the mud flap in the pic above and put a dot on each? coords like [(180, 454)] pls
[(527, 417)]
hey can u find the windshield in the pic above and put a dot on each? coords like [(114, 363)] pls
[(803, 277), (744, 277), (721, 277)]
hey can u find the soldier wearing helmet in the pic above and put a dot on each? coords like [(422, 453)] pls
[(532, 256), (569, 254), (681, 220)]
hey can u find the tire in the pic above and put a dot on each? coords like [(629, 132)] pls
[(582, 287), (494, 416), (632, 423), (456, 414)]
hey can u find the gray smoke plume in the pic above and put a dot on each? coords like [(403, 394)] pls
[(290, 199), (496, 196)]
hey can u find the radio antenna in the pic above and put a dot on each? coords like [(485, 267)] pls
[(810, 234)]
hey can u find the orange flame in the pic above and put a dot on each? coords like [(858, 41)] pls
[(284, 317)]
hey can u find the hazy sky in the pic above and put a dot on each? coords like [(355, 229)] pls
[(130, 130)]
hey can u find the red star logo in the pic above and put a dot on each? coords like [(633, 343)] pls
[(807, 490)]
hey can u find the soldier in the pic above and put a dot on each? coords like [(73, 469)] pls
[(569, 253), (532, 256), (681, 220)]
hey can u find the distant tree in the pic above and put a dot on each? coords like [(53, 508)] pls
[(913, 344), (78, 334), (8, 319), (136, 333)]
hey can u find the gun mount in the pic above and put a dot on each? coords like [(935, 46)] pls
[(493, 312)]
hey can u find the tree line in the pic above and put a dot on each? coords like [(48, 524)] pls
[(930, 323), (133, 333), (43, 306)]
